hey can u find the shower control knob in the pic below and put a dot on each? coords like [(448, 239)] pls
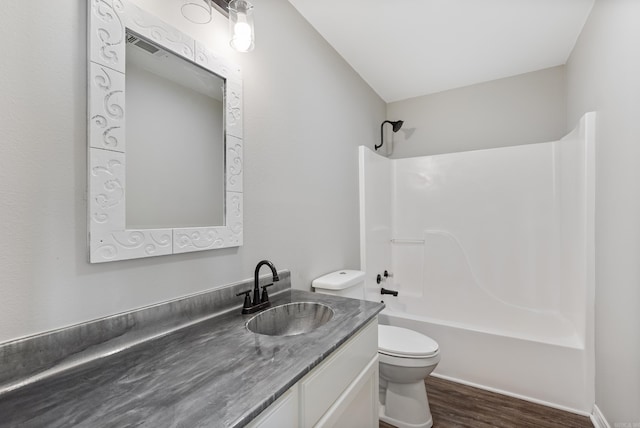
[(387, 274)]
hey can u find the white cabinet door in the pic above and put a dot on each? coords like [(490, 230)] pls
[(320, 389), (357, 407), (283, 413)]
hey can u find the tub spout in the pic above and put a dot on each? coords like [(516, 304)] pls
[(385, 291)]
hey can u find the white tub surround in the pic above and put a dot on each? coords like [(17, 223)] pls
[(491, 252)]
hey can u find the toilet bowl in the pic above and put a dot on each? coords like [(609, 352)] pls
[(405, 357)]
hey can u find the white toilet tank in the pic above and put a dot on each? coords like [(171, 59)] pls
[(345, 283)]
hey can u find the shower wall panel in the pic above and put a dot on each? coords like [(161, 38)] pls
[(375, 216), (489, 237)]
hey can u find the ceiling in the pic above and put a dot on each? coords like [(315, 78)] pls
[(409, 48)]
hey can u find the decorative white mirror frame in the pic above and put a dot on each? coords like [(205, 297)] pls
[(109, 240)]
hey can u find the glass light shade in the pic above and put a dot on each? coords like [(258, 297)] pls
[(241, 25)]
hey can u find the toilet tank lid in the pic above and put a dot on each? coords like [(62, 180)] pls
[(338, 280)]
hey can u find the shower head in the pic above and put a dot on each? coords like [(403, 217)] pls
[(396, 127)]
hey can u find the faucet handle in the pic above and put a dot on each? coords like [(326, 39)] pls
[(265, 296), (247, 299)]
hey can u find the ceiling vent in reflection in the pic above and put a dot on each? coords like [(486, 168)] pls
[(142, 44)]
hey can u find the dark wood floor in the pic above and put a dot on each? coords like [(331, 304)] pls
[(456, 405)]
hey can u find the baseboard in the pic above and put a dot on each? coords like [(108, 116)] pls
[(597, 418), (518, 396)]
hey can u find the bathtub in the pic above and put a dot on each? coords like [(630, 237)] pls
[(545, 372)]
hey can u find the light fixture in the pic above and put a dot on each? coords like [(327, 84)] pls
[(241, 25), (198, 12), (396, 127)]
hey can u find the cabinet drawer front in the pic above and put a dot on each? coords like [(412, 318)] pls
[(325, 384)]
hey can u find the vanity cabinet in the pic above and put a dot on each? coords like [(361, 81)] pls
[(342, 391)]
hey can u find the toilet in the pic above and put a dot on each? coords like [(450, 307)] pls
[(405, 358)]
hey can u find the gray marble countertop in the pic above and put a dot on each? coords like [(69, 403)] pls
[(212, 374)]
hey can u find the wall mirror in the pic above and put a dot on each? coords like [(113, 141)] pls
[(181, 148)]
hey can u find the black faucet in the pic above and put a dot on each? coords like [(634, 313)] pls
[(259, 302)]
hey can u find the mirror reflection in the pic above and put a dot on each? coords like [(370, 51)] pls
[(175, 137)]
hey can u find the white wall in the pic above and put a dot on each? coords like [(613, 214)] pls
[(603, 75), (306, 111), (529, 108)]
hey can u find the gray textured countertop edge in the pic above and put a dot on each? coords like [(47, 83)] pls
[(299, 353)]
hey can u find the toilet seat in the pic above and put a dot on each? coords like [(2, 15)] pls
[(405, 343)]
